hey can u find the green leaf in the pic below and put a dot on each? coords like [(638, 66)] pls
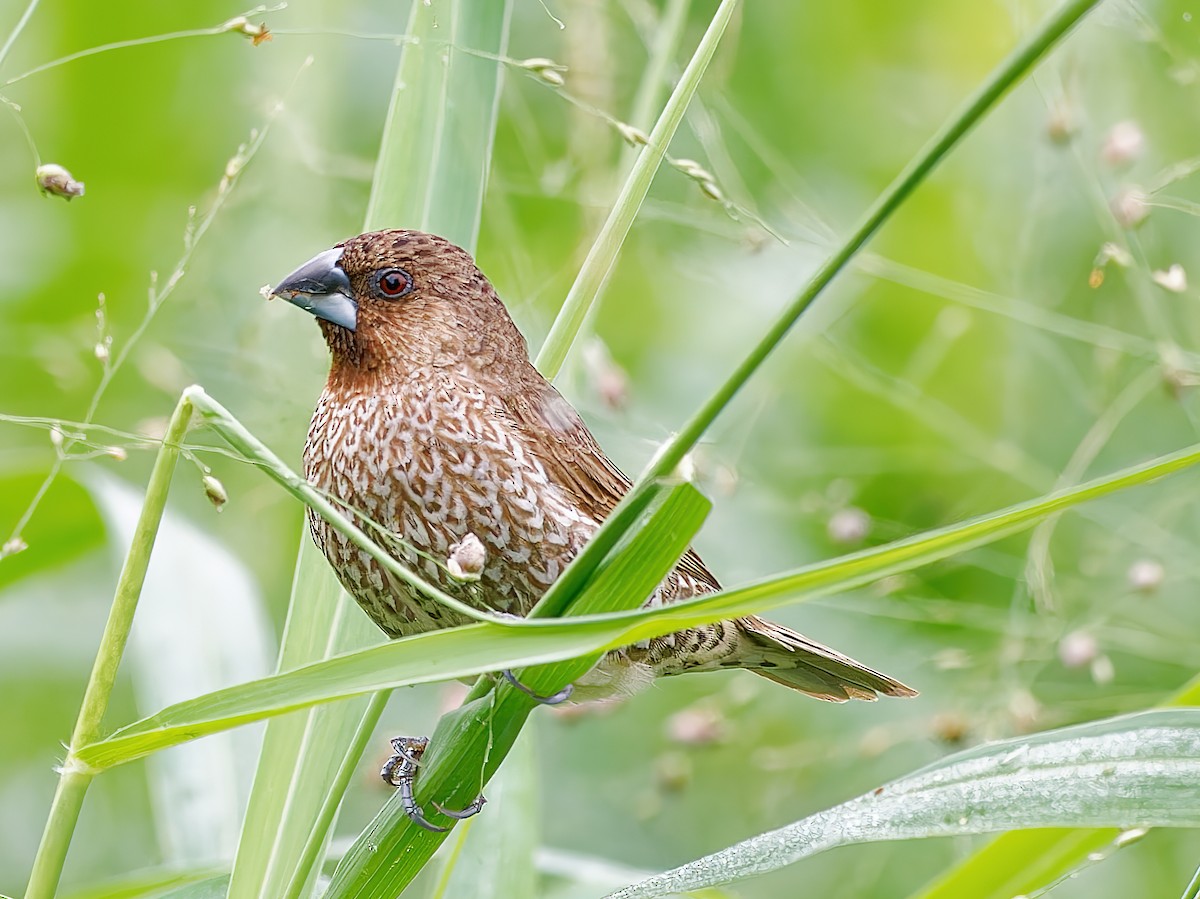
[(478, 648), (430, 177), (1017, 863), (439, 655), (1132, 771), (469, 743), (493, 855), (67, 526), (157, 883)]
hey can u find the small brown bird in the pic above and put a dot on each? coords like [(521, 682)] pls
[(436, 426)]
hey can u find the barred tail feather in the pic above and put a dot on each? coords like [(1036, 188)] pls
[(793, 660)]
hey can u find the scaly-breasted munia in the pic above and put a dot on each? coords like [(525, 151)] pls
[(436, 426)]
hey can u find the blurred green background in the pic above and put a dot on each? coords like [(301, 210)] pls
[(973, 358)]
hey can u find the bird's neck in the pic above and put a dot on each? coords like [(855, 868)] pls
[(382, 360), (372, 374)]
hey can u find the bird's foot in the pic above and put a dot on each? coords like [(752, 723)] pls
[(406, 756), (401, 770), (553, 699), (462, 814)]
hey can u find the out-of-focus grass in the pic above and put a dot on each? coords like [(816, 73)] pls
[(962, 367)]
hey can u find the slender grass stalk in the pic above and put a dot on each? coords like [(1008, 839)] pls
[(603, 254), (997, 84), (1193, 887), (75, 777), (433, 177), (115, 45), (333, 798), (17, 29), (250, 447)]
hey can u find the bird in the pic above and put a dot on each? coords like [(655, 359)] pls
[(435, 426)]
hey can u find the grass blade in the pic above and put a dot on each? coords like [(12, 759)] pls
[(1017, 863), (433, 178), (603, 253), (471, 742), (1140, 770), (490, 647)]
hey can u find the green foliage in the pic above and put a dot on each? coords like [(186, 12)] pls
[(1008, 335), (68, 528), (1135, 771), (432, 180)]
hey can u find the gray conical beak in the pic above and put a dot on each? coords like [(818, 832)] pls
[(322, 288)]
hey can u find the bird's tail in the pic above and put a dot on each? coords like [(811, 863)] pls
[(791, 659)]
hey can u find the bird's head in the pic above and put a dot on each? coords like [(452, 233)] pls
[(393, 301)]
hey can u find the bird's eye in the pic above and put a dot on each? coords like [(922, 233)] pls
[(393, 283)]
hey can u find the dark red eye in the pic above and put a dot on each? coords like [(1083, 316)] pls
[(393, 282)]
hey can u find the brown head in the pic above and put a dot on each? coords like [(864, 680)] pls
[(390, 302)]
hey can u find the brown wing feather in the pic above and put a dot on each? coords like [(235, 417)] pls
[(576, 462)]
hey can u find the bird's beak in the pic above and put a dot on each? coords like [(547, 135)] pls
[(321, 287)]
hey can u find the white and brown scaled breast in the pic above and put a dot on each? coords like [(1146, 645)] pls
[(430, 459)]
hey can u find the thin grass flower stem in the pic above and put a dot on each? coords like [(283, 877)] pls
[(333, 798), (75, 777), (671, 24), (217, 417), (603, 254), (974, 108), (1193, 887), (17, 29)]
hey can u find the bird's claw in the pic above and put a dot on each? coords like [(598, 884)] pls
[(553, 699), (401, 769), (406, 750), (462, 814)]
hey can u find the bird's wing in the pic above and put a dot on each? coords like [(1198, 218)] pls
[(576, 462)]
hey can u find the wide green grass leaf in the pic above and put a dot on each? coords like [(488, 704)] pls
[(1022, 862), (1133, 771), (479, 648), (493, 854), (430, 176), (471, 742)]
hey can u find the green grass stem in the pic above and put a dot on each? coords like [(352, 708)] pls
[(75, 777)]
